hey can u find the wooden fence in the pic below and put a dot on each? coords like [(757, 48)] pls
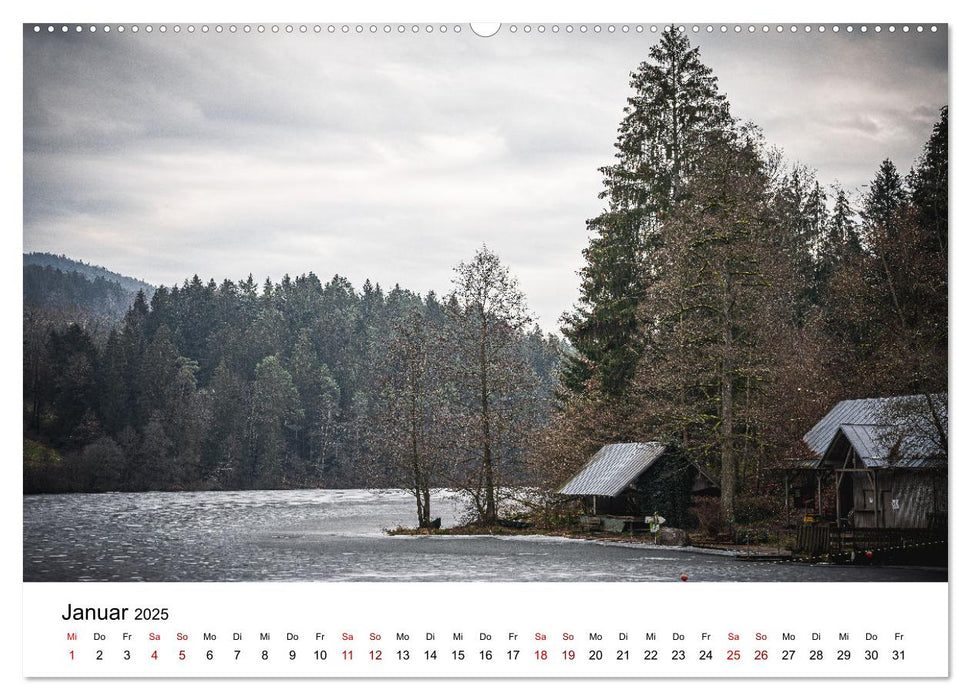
[(813, 539), (819, 539)]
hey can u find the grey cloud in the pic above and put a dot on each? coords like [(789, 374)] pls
[(393, 157)]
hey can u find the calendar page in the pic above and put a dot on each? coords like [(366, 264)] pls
[(453, 350)]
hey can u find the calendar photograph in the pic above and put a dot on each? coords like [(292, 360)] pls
[(517, 303)]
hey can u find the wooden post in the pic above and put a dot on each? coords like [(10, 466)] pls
[(839, 478), (839, 482), (876, 499), (871, 477), (785, 481), (893, 490), (819, 494)]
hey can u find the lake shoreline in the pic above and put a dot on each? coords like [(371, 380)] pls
[(741, 552)]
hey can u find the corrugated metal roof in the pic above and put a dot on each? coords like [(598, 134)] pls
[(613, 469), (852, 412), (865, 440), (894, 431), (877, 446)]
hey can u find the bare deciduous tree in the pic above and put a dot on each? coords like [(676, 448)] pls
[(497, 386)]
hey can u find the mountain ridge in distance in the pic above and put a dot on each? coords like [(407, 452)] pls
[(88, 270), (71, 290)]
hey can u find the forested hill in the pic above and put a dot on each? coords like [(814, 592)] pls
[(74, 297), (87, 270), (294, 383), (61, 289)]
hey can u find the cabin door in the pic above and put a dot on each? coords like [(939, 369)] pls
[(888, 516), (845, 499)]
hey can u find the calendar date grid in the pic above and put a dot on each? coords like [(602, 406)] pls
[(345, 648)]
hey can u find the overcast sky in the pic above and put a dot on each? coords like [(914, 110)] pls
[(393, 157)]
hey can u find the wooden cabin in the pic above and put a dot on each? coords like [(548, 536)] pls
[(639, 479), (885, 461)]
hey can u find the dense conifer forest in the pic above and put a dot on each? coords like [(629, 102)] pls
[(240, 385)]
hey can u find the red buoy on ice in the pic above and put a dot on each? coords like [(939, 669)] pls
[(684, 577)]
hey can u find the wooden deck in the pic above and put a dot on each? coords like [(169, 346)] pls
[(611, 523)]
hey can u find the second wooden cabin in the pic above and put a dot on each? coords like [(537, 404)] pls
[(888, 461)]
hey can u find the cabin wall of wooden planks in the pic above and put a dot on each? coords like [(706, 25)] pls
[(902, 498)]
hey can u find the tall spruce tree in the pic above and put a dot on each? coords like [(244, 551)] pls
[(843, 233), (274, 411), (718, 305), (667, 123), (840, 241), (927, 183), (884, 197), (224, 446), (799, 208)]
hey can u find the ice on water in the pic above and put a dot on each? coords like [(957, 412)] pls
[(338, 535)]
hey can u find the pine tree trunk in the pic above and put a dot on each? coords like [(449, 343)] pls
[(490, 509), (727, 417), (682, 386), (415, 461), (427, 498)]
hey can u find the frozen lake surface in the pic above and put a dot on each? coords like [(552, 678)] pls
[(317, 535)]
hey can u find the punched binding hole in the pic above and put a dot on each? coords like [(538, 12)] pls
[(485, 29)]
